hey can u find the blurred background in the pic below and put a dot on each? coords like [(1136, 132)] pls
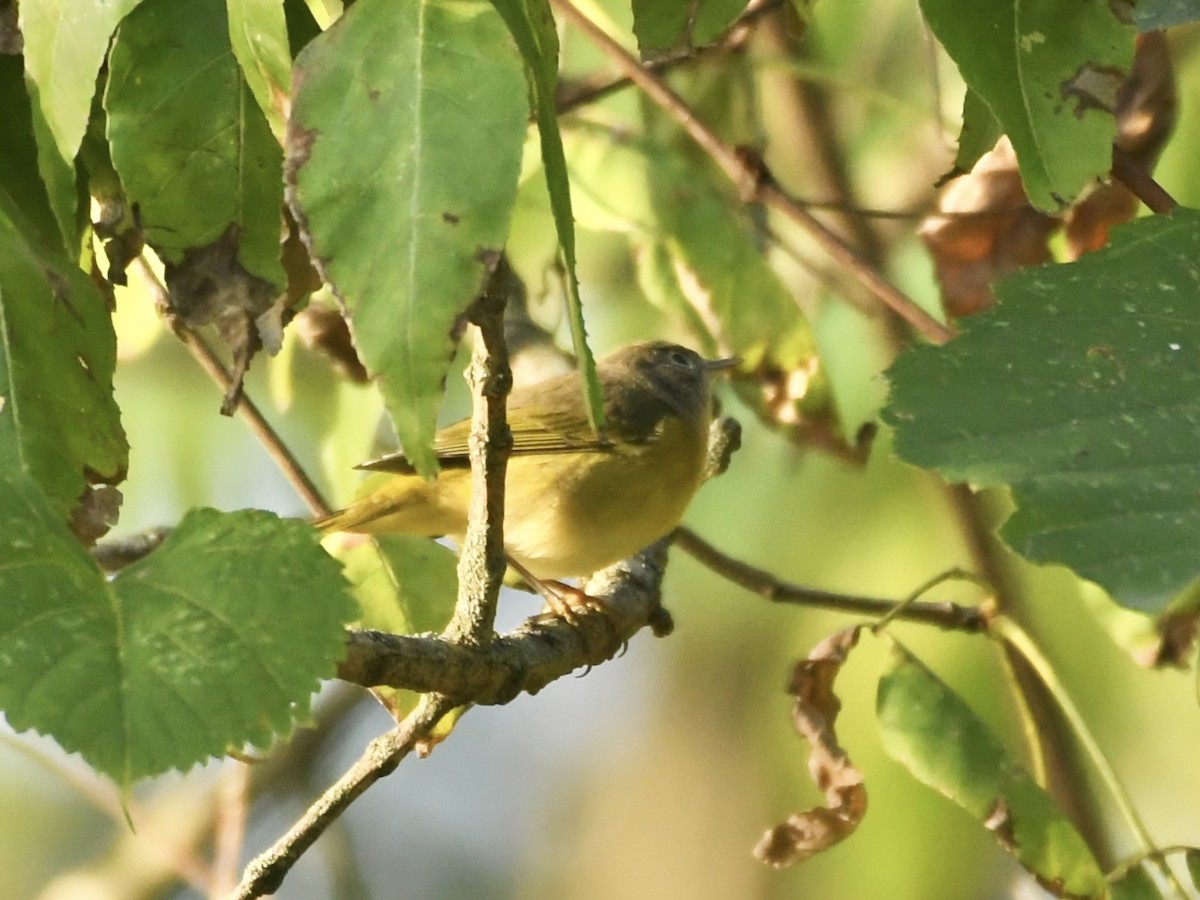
[(652, 776)]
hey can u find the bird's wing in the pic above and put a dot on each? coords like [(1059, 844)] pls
[(537, 430)]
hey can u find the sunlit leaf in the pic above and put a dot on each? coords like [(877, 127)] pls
[(259, 39), (65, 44), (533, 29), (408, 120), (929, 730), (216, 639), (1049, 72)]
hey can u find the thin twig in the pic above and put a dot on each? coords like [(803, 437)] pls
[(734, 39), (259, 426), (1141, 183), (229, 827), (950, 616), (753, 184), (265, 873)]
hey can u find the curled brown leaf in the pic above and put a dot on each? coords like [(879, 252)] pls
[(814, 714)]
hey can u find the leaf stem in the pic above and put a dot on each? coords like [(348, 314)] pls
[(1131, 173), (1016, 637)]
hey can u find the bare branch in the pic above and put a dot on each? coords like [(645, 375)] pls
[(481, 563), (265, 873), (525, 660), (259, 426), (950, 616)]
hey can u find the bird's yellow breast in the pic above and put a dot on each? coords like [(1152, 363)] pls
[(603, 507)]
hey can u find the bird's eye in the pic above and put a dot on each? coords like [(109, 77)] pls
[(681, 358)]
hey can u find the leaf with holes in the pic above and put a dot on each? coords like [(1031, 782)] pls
[(1049, 72), (404, 148)]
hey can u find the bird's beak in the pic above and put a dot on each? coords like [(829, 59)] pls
[(716, 365)]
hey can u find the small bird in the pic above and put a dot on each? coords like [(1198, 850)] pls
[(574, 503)]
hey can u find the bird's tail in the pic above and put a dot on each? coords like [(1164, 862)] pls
[(402, 505)]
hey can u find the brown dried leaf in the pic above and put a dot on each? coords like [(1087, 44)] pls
[(211, 286), (324, 330), (814, 713), (1146, 113), (985, 227), (96, 513)]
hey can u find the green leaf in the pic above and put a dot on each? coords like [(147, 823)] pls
[(58, 176), (58, 420), (191, 146), (662, 25), (532, 27), (1049, 72), (713, 18), (1136, 884), (658, 25), (65, 44), (218, 638), (979, 134), (404, 147), (23, 195), (404, 584), (1151, 15), (1081, 391), (929, 730), (259, 37)]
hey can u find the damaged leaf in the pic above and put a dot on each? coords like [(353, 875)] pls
[(57, 356), (183, 654), (815, 713), (404, 148), (929, 730), (986, 228), (1079, 392), (202, 169), (1049, 73)]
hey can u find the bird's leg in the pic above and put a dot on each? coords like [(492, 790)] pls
[(562, 599)]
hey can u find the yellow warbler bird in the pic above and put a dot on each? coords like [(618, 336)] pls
[(573, 503)]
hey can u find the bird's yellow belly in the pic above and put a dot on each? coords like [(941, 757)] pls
[(594, 518)]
